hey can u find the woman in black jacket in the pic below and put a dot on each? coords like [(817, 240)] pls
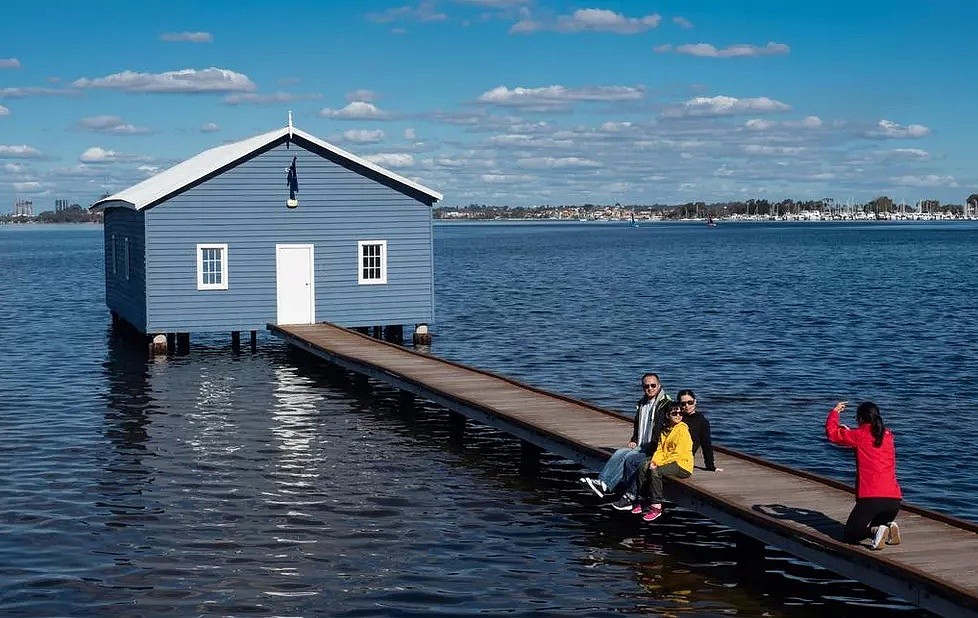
[(699, 427)]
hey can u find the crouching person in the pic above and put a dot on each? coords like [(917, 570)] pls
[(672, 458)]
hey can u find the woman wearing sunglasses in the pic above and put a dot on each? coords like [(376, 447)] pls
[(672, 458), (699, 428)]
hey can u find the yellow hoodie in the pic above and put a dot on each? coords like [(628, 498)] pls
[(675, 445)]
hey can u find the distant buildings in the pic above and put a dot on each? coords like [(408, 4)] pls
[(60, 205), (23, 208)]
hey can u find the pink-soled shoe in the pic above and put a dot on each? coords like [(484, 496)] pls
[(652, 514), (638, 508)]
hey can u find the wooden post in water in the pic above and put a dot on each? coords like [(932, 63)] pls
[(394, 333), (421, 335), (157, 345), (529, 458), (236, 341), (750, 553), (254, 341), (456, 429), (183, 344), (406, 404), (171, 343)]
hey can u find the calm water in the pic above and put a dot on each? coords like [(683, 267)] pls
[(265, 484)]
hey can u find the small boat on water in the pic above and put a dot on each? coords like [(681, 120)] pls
[(710, 222), (633, 222)]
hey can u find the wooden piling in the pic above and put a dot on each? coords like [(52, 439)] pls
[(183, 344), (529, 458), (421, 335), (254, 341), (236, 341), (157, 345)]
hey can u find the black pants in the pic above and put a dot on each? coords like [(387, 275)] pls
[(867, 513)]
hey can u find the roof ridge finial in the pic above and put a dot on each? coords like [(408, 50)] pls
[(290, 124)]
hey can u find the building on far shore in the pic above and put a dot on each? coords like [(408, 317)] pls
[(23, 208), (279, 228)]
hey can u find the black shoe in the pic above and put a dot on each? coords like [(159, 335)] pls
[(625, 503)]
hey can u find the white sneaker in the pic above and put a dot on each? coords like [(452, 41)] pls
[(595, 485), (881, 537), (895, 537)]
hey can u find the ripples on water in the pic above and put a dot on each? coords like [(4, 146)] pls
[(266, 484)]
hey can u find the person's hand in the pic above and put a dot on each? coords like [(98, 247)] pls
[(840, 407), (717, 470), (651, 464), (632, 444)]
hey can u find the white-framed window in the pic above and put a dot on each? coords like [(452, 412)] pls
[(371, 262), (212, 267), (125, 268)]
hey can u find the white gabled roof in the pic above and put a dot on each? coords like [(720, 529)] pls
[(169, 181)]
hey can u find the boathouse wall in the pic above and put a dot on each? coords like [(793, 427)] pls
[(125, 266), (244, 207)]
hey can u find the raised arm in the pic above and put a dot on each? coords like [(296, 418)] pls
[(836, 432)]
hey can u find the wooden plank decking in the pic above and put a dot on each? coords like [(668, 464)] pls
[(936, 567)]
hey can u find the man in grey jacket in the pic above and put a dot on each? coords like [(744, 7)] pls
[(645, 436)]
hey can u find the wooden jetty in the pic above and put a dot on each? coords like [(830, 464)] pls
[(935, 568)]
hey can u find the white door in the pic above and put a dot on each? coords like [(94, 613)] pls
[(295, 286)]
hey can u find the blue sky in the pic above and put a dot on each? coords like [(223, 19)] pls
[(519, 102)]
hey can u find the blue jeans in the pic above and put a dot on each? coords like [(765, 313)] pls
[(614, 468)]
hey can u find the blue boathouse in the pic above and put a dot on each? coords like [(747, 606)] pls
[(279, 228)]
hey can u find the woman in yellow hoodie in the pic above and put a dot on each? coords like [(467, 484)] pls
[(672, 458)]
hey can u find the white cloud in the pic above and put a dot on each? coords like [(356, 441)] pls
[(891, 130), (9, 63), (912, 153), (186, 80), (410, 134), (705, 50), (187, 37), (19, 152), (110, 124), (361, 95), (33, 91), (589, 20), (363, 136), (4, 111), (757, 124), (149, 170), (13, 168), (99, 155), (725, 106), (557, 163), (27, 187), (356, 110), (682, 22), (495, 4), (557, 97), (210, 127), (271, 98), (426, 11), (391, 159), (928, 180), (756, 149)]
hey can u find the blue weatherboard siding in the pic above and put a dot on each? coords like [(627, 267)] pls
[(125, 296), (245, 208)]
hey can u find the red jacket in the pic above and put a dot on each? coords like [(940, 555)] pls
[(875, 467)]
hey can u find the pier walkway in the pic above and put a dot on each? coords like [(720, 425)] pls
[(935, 568)]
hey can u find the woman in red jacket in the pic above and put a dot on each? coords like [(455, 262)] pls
[(877, 491)]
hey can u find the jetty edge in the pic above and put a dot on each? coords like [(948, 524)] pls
[(798, 512)]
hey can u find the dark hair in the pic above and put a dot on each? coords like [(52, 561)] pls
[(670, 407), (651, 375), (685, 391), (868, 412)]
